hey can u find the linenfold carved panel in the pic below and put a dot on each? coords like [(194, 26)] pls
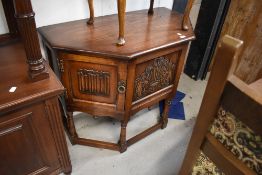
[(157, 75), (93, 82)]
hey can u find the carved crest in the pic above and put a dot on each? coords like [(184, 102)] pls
[(93, 82), (157, 75)]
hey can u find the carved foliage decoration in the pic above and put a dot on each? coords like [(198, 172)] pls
[(93, 82), (157, 75)]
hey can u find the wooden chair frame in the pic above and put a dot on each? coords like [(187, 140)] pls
[(224, 89), (121, 6)]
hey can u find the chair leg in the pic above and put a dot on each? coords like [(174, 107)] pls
[(151, 8), (164, 116), (71, 126), (121, 6), (122, 141), (185, 21), (91, 9)]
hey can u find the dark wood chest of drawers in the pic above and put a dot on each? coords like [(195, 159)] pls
[(105, 80)]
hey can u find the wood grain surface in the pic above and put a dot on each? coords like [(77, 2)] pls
[(144, 34), (14, 74), (244, 21)]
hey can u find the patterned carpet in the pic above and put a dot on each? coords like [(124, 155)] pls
[(238, 139)]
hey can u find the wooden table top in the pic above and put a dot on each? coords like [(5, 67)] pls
[(143, 34), (13, 73)]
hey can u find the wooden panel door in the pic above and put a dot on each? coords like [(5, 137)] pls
[(154, 75), (26, 143), (92, 82)]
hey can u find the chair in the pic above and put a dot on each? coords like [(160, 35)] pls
[(228, 126), (121, 6)]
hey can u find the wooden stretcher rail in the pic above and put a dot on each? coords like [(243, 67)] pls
[(97, 144), (143, 134)]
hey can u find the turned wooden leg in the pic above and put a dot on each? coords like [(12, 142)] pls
[(71, 126), (164, 115), (91, 9), (122, 141), (121, 6), (151, 8), (185, 21)]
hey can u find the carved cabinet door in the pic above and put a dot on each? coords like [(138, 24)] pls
[(155, 75), (26, 143), (94, 85)]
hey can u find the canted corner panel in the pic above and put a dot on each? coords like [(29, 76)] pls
[(155, 76), (94, 82)]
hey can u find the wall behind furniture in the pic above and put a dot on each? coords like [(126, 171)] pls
[(3, 26), (57, 11)]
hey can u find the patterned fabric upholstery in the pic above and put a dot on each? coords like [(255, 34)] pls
[(238, 139), (204, 166)]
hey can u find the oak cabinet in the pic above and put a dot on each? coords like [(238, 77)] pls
[(104, 80), (32, 140)]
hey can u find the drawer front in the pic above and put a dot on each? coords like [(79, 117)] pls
[(93, 84), (26, 142), (154, 75)]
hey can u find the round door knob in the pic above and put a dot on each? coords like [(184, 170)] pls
[(121, 89)]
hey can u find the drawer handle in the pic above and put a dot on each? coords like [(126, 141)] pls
[(121, 87)]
